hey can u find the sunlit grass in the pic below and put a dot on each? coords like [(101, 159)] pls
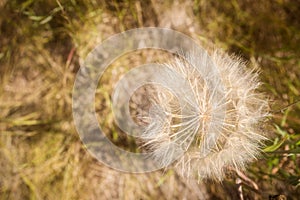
[(41, 46)]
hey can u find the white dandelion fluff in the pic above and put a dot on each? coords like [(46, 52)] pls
[(191, 129)]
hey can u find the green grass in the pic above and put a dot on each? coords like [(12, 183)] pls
[(41, 46)]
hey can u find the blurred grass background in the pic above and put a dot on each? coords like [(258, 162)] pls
[(42, 43)]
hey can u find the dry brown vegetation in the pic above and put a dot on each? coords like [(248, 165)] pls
[(42, 44)]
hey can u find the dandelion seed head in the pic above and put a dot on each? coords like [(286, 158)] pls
[(202, 141)]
